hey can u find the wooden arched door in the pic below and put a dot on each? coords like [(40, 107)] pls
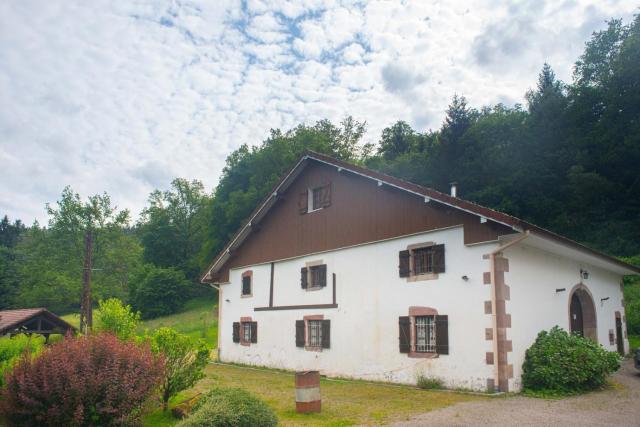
[(577, 321)]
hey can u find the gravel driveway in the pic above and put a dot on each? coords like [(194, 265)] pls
[(619, 406)]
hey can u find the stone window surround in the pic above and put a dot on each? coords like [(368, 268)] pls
[(244, 320), (419, 277), (413, 313), (306, 331), (248, 273), (309, 288)]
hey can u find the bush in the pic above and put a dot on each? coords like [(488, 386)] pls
[(12, 349), (117, 318), (429, 383), (562, 363), (93, 380), (185, 359), (224, 407), (159, 291)]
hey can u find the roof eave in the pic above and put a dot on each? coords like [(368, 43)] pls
[(514, 223)]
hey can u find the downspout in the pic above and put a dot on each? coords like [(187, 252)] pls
[(494, 297), (219, 289)]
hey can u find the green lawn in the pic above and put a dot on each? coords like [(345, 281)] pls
[(343, 402), (198, 320)]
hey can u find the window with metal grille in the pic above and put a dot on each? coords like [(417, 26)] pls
[(425, 334), (318, 276), (246, 331), (246, 285), (315, 333), (423, 260)]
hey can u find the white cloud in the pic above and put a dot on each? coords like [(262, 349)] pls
[(124, 96)]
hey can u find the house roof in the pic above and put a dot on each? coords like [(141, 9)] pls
[(518, 225), (12, 319)]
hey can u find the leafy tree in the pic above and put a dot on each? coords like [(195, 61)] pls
[(172, 227), (8, 277), (446, 162), (10, 232), (49, 261), (185, 360), (115, 317), (397, 140), (568, 162), (159, 291), (9, 237)]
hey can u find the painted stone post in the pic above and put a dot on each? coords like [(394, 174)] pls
[(308, 392)]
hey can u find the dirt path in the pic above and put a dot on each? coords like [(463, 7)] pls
[(616, 407)]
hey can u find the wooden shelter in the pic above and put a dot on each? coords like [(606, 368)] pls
[(32, 321)]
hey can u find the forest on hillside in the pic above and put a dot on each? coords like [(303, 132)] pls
[(568, 160)]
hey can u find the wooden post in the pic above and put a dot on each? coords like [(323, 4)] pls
[(86, 314)]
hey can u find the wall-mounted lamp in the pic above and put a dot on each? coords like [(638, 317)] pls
[(465, 278), (560, 289), (584, 274), (227, 300), (602, 300)]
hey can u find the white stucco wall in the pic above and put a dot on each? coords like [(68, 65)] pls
[(364, 328), (371, 296), (534, 275)]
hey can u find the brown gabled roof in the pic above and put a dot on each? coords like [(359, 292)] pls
[(12, 319), (428, 193)]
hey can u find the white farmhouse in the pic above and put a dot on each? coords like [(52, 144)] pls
[(359, 274)]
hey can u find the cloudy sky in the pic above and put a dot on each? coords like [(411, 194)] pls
[(123, 96)]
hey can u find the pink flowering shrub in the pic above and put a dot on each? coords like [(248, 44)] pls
[(86, 381)]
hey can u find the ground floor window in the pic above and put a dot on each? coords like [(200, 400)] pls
[(315, 333), (425, 334), (246, 331)]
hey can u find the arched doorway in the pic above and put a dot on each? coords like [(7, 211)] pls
[(582, 313)]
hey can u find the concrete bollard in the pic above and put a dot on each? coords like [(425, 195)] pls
[(308, 392)]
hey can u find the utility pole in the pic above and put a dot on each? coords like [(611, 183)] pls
[(86, 312)]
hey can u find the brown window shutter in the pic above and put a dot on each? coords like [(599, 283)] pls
[(438, 259), (236, 331), (303, 277), (299, 333), (254, 332), (323, 275), (326, 333), (442, 334), (303, 202), (405, 334), (325, 195), (403, 266)]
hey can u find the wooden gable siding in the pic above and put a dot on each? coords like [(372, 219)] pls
[(360, 212)]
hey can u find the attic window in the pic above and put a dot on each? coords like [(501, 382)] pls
[(315, 198)]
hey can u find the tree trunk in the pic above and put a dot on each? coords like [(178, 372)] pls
[(86, 312)]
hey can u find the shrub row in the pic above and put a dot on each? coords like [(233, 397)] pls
[(93, 380)]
